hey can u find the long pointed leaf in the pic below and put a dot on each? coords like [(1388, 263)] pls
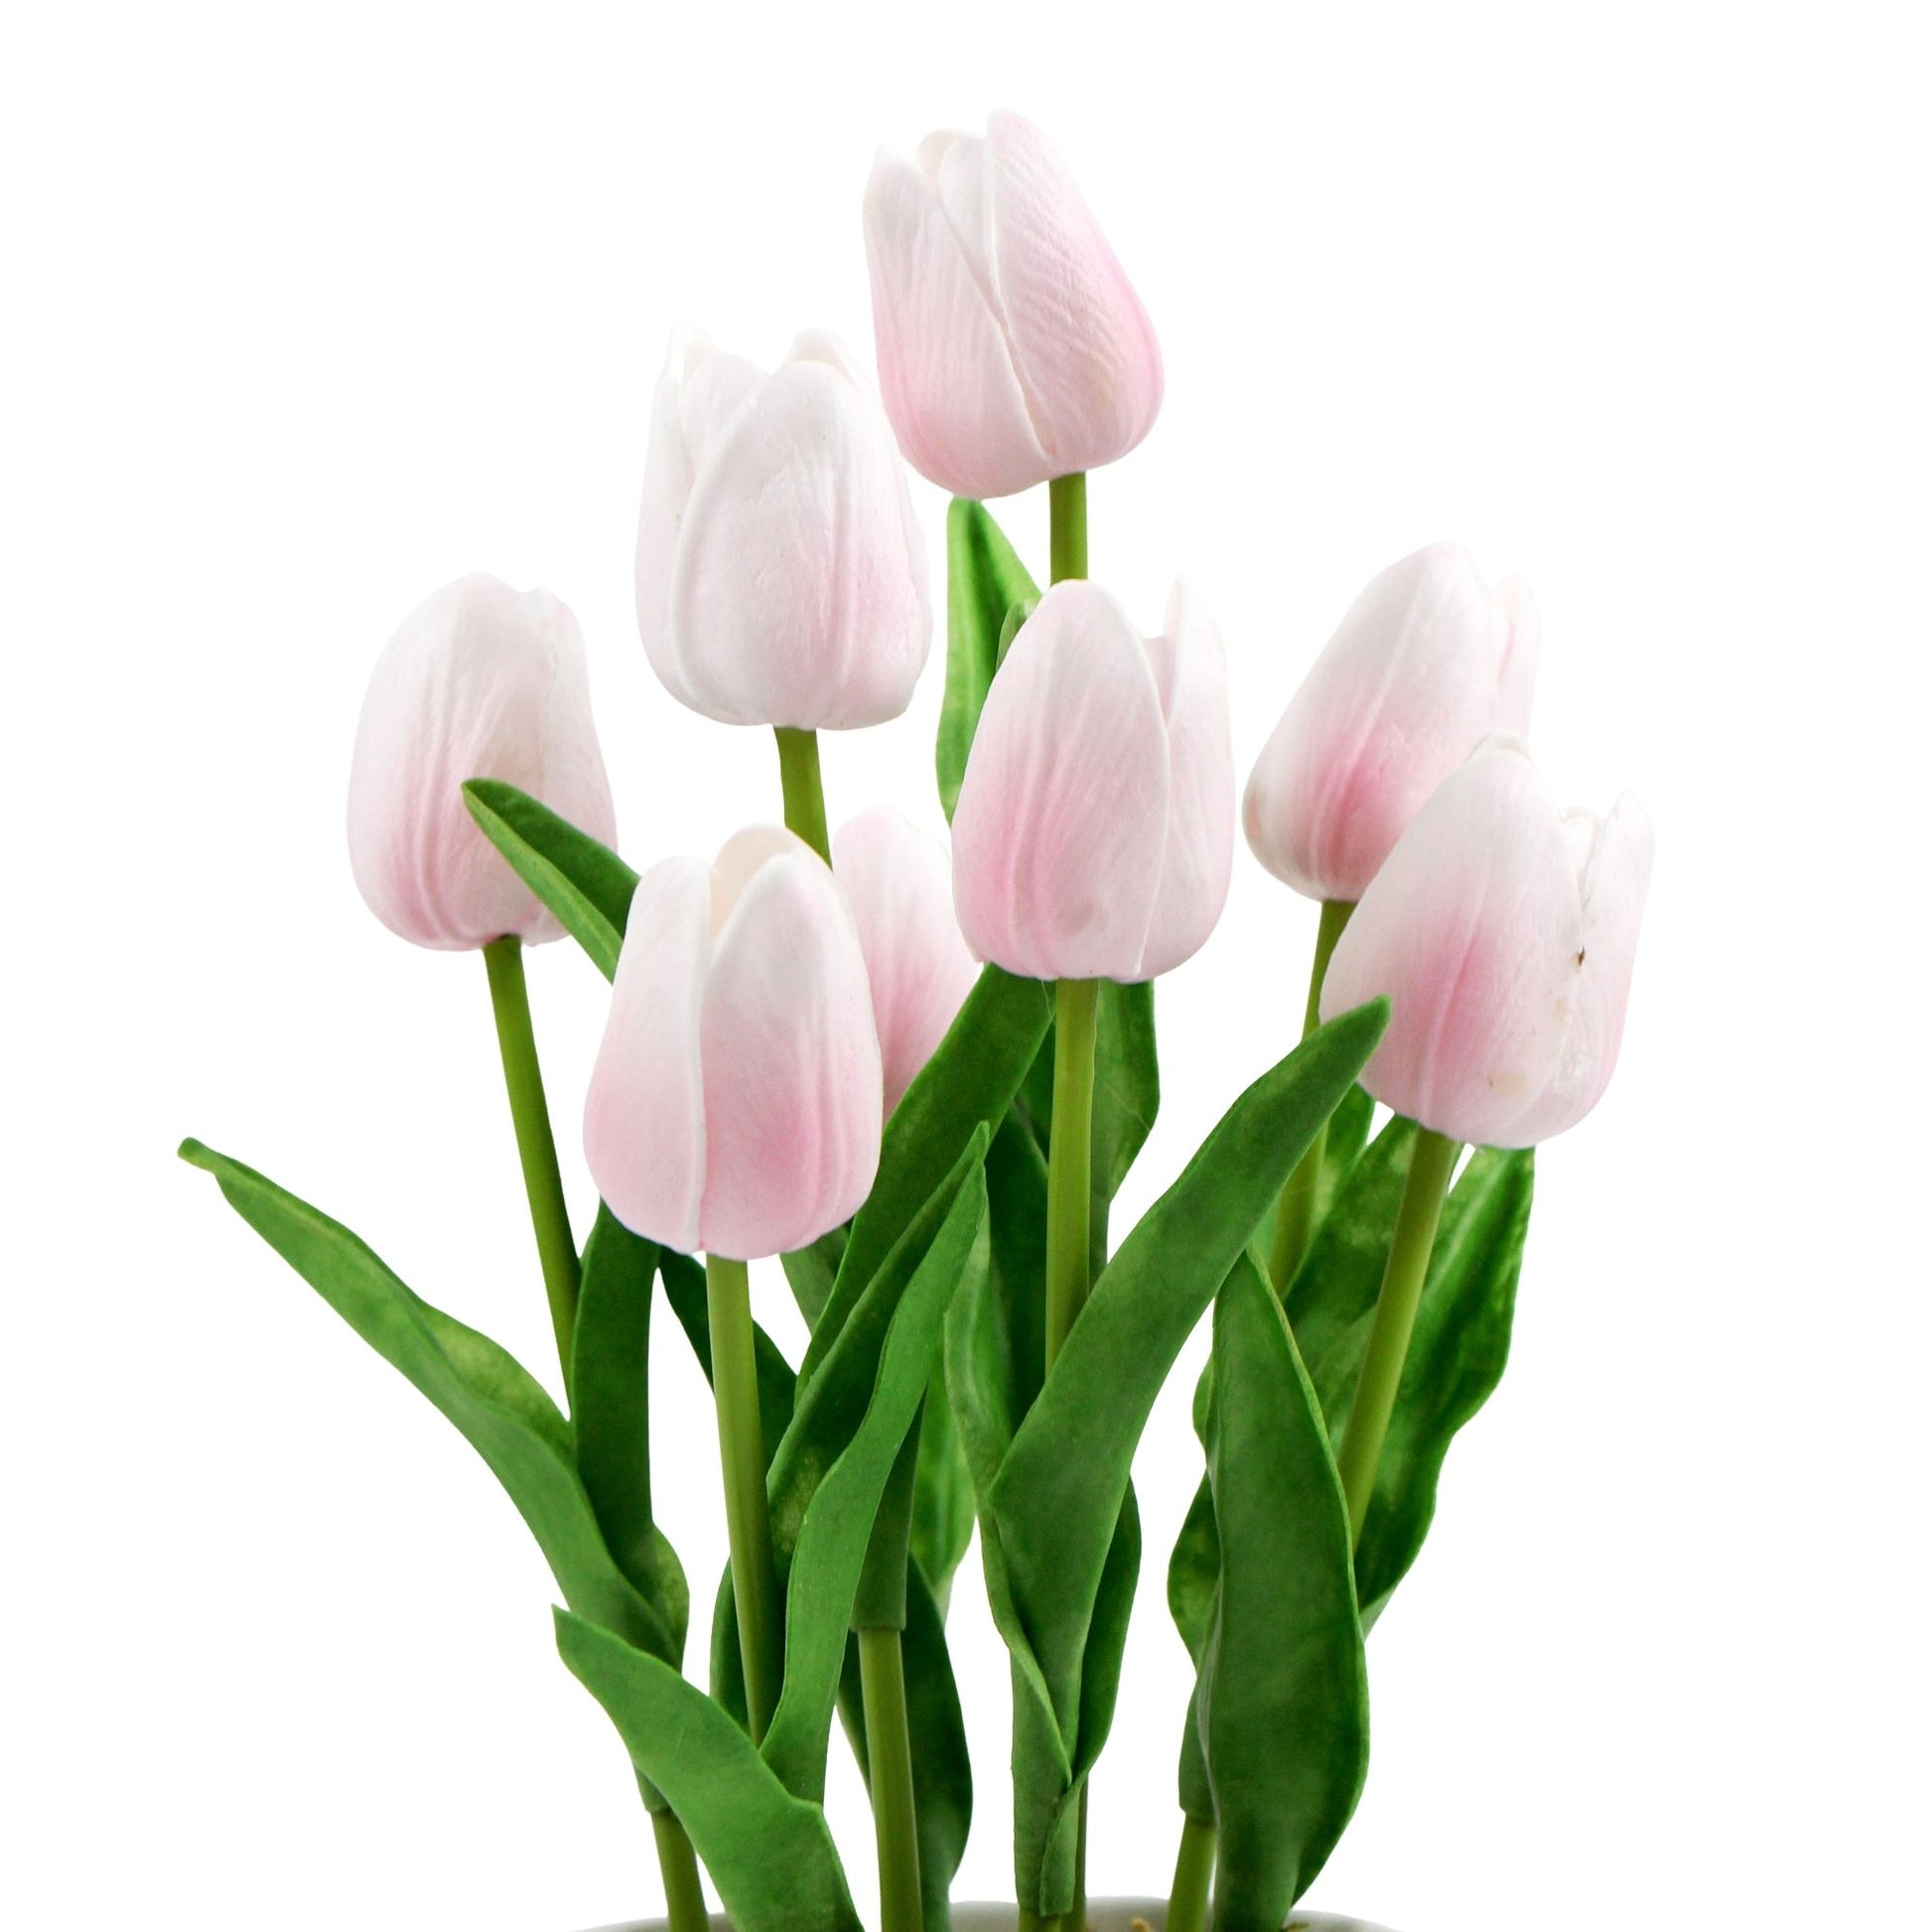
[(584, 883), (984, 581), (1284, 1683), (609, 1382), (499, 1408), (769, 1853)]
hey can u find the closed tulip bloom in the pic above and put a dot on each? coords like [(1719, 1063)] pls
[(898, 884), (1503, 930), (781, 577), (1095, 824), (1011, 347), (734, 1102), (480, 682), (1427, 664)]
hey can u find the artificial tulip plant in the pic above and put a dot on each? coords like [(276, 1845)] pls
[(919, 1081)]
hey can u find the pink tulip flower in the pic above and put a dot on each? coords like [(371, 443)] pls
[(1426, 665), (480, 682), (1503, 930), (1095, 824), (898, 884), (781, 577), (1011, 347), (734, 1102)]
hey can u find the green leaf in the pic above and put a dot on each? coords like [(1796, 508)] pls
[(942, 1493), (769, 1853), (684, 1289), (499, 1408), (1057, 1541), (831, 1470), (1060, 1487), (1459, 1346), (1283, 1696), (609, 1382), (810, 1273), (969, 1082), (984, 581), (585, 883)]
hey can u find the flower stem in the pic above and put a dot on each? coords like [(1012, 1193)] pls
[(536, 1146), (1066, 502), (1033, 1922), (1431, 1163), (804, 787), (1300, 1196), (683, 1889), (1069, 1160), (889, 1759), (740, 1450), (1188, 1901)]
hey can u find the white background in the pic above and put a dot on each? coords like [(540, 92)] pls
[(308, 310)]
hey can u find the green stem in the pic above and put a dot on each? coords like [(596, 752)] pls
[(1192, 1870), (1431, 1163), (1032, 1921), (683, 1888), (1075, 1918), (1069, 1160), (804, 787), (740, 1449), (536, 1146), (889, 1759), (1295, 1215), (1066, 501)]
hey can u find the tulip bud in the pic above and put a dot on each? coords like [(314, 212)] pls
[(480, 682), (1504, 931), (1095, 824), (735, 1103), (1426, 665), (781, 577), (1012, 349), (898, 884)]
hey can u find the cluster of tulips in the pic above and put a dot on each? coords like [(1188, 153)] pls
[(920, 1078)]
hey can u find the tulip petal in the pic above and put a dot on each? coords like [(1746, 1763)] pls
[(644, 1113), (1060, 834), (1614, 886), (791, 1072), (699, 391), (898, 884), (480, 681), (1189, 665), (798, 593), (1083, 347), (1425, 665), (944, 368), (1474, 929)]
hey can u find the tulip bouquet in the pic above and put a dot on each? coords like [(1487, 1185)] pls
[(919, 1081)]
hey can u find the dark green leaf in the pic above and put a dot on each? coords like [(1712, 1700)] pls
[(1461, 1342), (832, 1469), (810, 1271), (879, 1603), (984, 581), (769, 1853), (968, 1082), (500, 1410), (1053, 1492), (585, 883), (1284, 1684), (1059, 1490), (609, 1382), (942, 1493)]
